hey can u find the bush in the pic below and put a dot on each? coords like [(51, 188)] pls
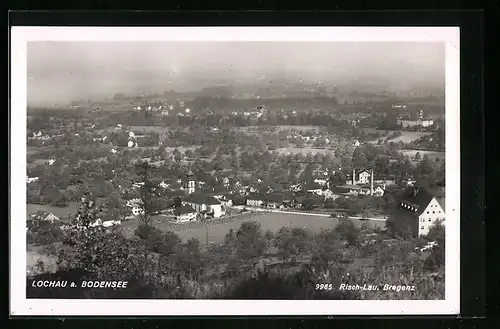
[(348, 231)]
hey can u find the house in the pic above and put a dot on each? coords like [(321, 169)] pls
[(109, 223), (225, 200), (42, 215), (378, 191), (185, 214), (421, 209), (202, 202), (31, 179), (274, 200), (136, 207), (255, 200), (320, 181), (364, 177)]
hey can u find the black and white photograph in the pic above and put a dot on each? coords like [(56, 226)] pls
[(235, 171)]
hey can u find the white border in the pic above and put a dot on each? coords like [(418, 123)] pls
[(22, 306)]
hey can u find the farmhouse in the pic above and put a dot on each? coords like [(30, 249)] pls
[(421, 209)]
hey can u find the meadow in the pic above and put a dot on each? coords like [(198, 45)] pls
[(61, 212), (431, 154), (406, 137), (409, 136)]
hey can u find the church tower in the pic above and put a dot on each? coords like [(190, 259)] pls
[(190, 183)]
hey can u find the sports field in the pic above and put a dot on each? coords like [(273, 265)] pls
[(268, 221)]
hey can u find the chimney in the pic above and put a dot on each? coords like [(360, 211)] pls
[(371, 184), (353, 176)]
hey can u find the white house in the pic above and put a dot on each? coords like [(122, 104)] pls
[(110, 223), (364, 177), (255, 201), (423, 208), (320, 181), (316, 191), (31, 179), (378, 191)]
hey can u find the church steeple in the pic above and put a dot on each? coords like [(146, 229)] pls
[(190, 182)]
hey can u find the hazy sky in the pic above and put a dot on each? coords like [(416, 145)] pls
[(65, 71)]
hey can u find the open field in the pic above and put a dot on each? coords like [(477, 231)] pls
[(268, 221), (407, 137), (410, 136), (431, 154), (58, 211)]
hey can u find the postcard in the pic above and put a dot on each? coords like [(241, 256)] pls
[(163, 171)]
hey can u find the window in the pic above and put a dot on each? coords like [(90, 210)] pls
[(433, 212), (427, 212), (421, 227)]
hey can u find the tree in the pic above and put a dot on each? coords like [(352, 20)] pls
[(250, 244), (359, 158), (144, 170), (230, 238), (169, 243), (337, 179), (43, 233), (348, 231), (177, 202), (291, 243), (326, 250), (101, 252), (418, 156), (188, 259)]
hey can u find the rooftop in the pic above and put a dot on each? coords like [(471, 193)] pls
[(201, 198), (181, 210), (416, 198)]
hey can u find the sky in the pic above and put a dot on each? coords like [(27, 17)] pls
[(65, 71)]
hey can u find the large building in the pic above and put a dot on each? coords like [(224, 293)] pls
[(418, 121), (205, 204), (421, 208)]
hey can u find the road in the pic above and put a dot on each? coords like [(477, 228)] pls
[(381, 219)]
